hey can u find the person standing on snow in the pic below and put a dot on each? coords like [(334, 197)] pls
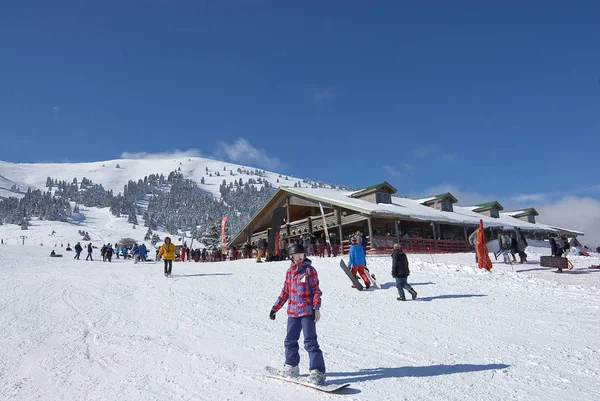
[(109, 252), (400, 272), (301, 291), (143, 252), (167, 253), (357, 261), (473, 242), (78, 250), (89, 251)]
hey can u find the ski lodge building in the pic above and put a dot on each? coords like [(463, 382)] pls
[(433, 224)]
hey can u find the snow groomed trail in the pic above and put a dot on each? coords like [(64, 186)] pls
[(76, 330)]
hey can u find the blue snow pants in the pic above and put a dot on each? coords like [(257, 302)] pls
[(305, 324)]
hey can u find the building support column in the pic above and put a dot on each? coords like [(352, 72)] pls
[(397, 231), (339, 222), (287, 220), (370, 231)]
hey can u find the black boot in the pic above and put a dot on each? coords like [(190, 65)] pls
[(401, 298), (367, 286), (413, 293)]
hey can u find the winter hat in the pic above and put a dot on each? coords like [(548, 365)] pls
[(353, 239)]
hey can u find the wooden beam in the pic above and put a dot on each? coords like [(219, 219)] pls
[(339, 220), (287, 220), (370, 231)]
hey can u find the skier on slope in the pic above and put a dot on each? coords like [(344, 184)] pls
[(357, 261), (400, 272), (301, 291)]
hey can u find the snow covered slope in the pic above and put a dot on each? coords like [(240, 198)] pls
[(5, 187), (76, 330), (111, 177), (102, 226)]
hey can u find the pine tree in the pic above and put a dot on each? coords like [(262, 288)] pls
[(212, 237)]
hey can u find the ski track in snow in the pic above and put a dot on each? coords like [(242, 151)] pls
[(76, 330)]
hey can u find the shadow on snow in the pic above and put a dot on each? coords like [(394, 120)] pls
[(201, 274), (409, 371), (451, 296), (392, 284)]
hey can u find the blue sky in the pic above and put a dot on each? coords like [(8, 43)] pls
[(490, 99)]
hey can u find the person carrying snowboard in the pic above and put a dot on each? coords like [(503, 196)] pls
[(167, 253), (357, 261), (400, 272), (302, 293)]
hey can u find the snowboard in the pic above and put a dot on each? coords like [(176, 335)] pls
[(348, 272), (372, 278), (301, 380)]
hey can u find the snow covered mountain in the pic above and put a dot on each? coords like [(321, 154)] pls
[(114, 174), (199, 190)]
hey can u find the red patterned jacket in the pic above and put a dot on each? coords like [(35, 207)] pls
[(301, 290)]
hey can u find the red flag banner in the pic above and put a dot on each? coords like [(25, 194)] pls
[(483, 256), (223, 237)]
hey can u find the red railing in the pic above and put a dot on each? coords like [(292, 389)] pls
[(420, 245)]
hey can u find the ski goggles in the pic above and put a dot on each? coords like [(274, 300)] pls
[(298, 256)]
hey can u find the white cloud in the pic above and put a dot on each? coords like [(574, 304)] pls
[(570, 212), (324, 94), (550, 196), (402, 171), (422, 152), (448, 157), (241, 151), (55, 110), (529, 198), (175, 154), (393, 171), (577, 213)]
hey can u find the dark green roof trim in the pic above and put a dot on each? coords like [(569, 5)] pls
[(489, 205), (374, 187), (441, 197), (525, 212)]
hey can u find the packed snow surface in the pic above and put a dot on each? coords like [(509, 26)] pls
[(77, 330)]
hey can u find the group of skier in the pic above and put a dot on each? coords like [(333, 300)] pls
[(138, 253)]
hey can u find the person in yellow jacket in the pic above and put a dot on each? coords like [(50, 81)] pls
[(167, 253)]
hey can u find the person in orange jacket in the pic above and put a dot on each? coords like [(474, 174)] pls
[(167, 253)]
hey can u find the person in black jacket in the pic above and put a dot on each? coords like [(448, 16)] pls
[(400, 272), (78, 250), (89, 250)]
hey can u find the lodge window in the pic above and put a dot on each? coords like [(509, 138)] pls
[(447, 207), (531, 218), (382, 197), (494, 213)]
